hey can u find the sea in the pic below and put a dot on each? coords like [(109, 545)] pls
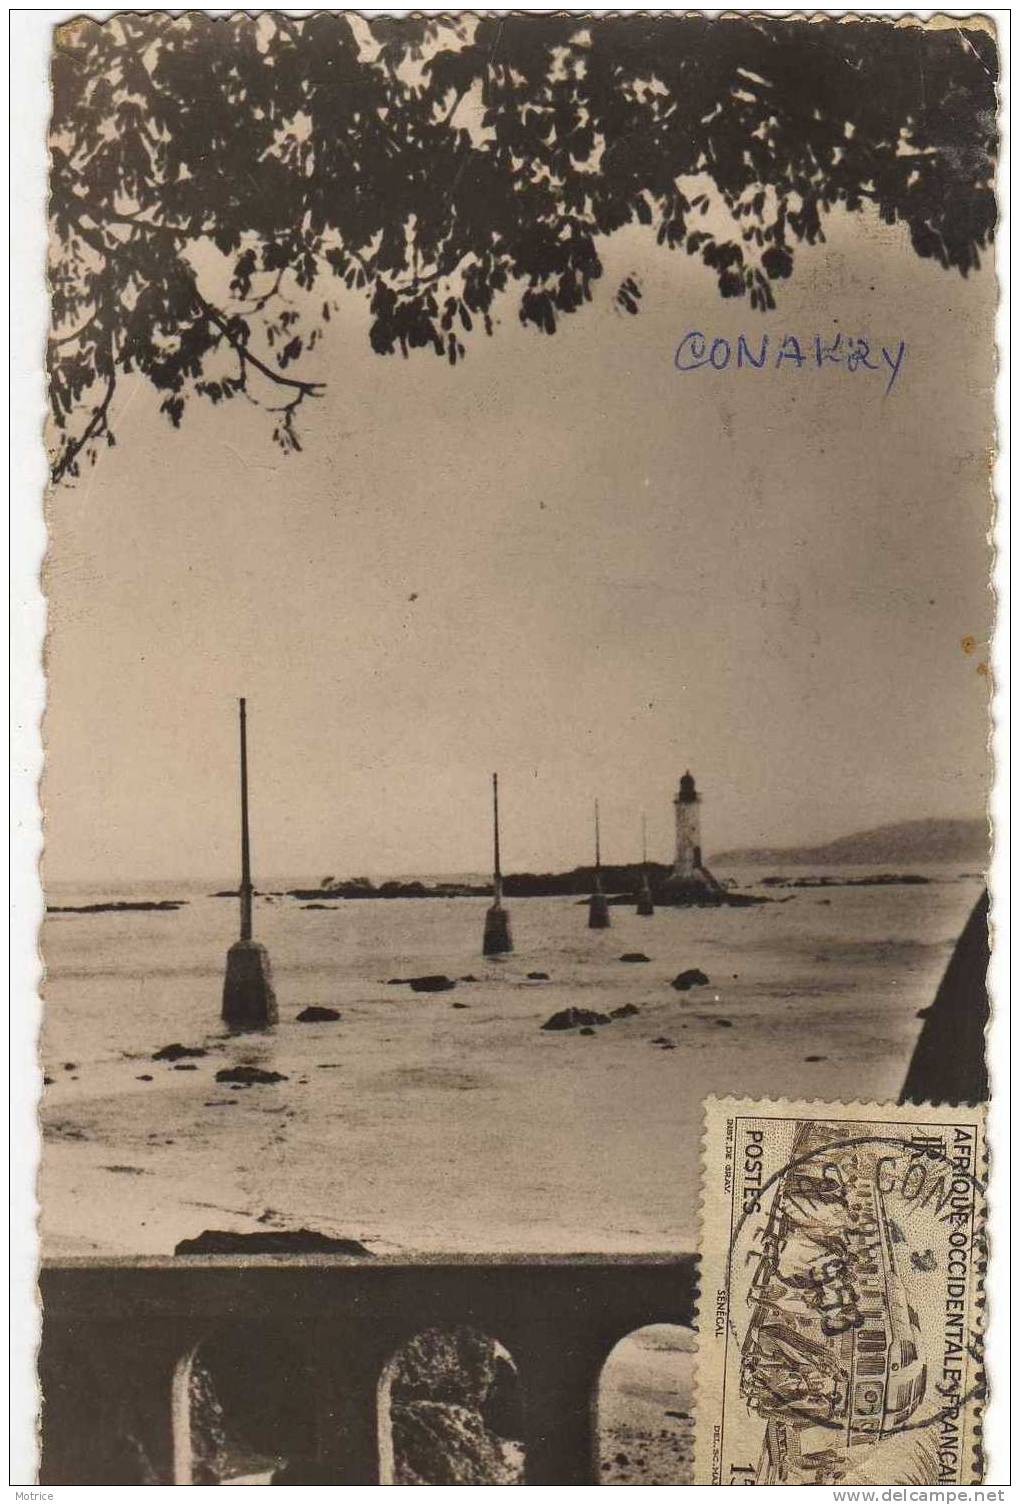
[(452, 1121)]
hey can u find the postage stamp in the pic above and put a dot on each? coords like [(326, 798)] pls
[(841, 1307)]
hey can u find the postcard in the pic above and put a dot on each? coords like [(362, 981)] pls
[(518, 669)]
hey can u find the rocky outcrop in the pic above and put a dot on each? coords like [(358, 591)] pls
[(431, 982), (317, 1014), (693, 977), (249, 1076), (621, 884), (281, 1241), (178, 1052), (455, 1411), (120, 906), (827, 880), (573, 1018), (437, 1443), (364, 888)]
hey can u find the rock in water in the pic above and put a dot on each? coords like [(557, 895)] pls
[(249, 1076), (572, 1018), (177, 1052), (316, 1014), (634, 956), (433, 983), (693, 977), (283, 1241), (625, 1011), (538, 977)]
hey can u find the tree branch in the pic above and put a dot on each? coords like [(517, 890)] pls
[(68, 339), (98, 424), (248, 358), (258, 302)]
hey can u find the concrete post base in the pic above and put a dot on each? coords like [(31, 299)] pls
[(698, 887), (598, 912), (497, 940), (249, 1001)]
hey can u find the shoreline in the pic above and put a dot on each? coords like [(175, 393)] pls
[(620, 884)]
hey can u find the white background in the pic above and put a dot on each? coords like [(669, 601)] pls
[(29, 36)]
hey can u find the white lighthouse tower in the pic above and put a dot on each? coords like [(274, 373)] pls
[(687, 805)]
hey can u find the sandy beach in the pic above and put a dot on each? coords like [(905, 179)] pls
[(452, 1121)]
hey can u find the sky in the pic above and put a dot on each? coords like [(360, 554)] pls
[(563, 560)]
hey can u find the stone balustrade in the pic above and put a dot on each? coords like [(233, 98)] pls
[(118, 1337)]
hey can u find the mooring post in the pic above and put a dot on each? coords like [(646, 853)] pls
[(598, 909), (497, 940), (249, 1001), (245, 889), (645, 905)]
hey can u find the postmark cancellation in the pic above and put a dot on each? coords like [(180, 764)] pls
[(841, 1306)]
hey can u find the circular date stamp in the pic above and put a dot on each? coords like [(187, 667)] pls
[(841, 1294)]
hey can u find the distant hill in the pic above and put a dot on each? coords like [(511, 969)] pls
[(906, 841)]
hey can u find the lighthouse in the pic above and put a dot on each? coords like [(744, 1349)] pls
[(687, 805), (690, 882)]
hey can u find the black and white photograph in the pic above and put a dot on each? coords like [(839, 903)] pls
[(518, 665)]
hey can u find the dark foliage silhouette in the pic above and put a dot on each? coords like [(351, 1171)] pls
[(445, 166)]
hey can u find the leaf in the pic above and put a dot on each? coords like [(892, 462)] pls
[(313, 143)]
